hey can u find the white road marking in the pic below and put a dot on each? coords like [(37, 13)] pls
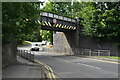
[(89, 66), (82, 64)]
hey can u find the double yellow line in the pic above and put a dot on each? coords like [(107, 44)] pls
[(48, 72)]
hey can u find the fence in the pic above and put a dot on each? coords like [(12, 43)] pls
[(27, 54), (89, 52)]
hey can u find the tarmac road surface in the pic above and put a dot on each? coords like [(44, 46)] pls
[(77, 67)]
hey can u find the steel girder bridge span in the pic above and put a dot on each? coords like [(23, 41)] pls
[(50, 21)]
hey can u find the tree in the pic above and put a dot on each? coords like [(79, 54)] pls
[(101, 19), (109, 20), (61, 8), (46, 35), (102, 22), (19, 20)]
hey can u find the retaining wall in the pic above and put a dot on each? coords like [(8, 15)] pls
[(9, 54), (64, 42)]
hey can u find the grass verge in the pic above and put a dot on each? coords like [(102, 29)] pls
[(109, 57), (24, 43)]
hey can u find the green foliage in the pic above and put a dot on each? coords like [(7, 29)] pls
[(101, 19), (26, 42), (19, 20), (46, 35), (109, 57), (60, 8)]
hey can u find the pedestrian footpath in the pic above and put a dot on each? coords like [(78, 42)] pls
[(22, 69)]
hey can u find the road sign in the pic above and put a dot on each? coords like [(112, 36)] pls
[(54, 21)]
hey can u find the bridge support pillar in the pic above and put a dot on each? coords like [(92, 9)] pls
[(66, 42)]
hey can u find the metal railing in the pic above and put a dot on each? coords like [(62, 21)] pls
[(89, 52), (27, 54), (96, 53)]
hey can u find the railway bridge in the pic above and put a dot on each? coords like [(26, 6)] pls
[(67, 37), (67, 30)]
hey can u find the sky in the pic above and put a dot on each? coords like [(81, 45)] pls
[(41, 6)]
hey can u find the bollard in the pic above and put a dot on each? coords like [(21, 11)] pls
[(24, 54), (27, 54), (33, 57), (30, 56), (21, 53)]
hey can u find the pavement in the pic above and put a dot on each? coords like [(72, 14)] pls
[(22, 69)]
